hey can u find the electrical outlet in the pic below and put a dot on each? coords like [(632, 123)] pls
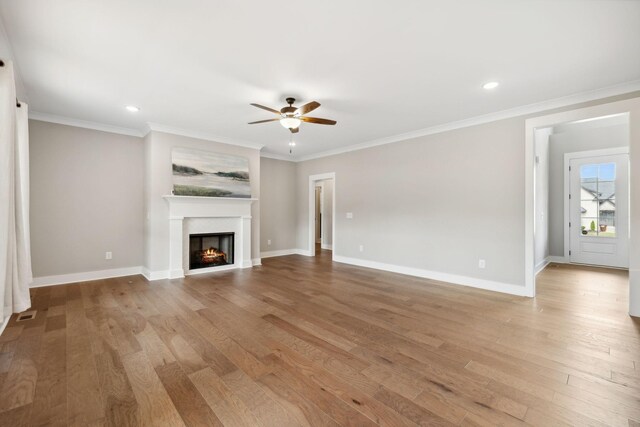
[(269, 242), (482, 263), (349, 215), (108, 255), (361, 248)]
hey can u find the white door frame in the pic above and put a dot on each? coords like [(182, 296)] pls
[(567, 183), (312, 203), (321, 209), (630, 106)]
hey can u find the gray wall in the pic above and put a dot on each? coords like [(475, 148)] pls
[(573, 140), (439, 202), (94, 191), (86, 199), (277, 204)]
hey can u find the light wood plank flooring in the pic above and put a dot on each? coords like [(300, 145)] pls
[(302, 341)]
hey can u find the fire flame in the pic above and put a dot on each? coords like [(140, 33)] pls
[(212, 253)]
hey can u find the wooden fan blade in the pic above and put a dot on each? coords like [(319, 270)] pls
[(264, 121), (266, 108), (318, 121), (306, 108), (294, 130)]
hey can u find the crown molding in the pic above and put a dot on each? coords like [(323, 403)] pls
[(52, 118), (277, 156), (486, 118), (157, 127), (148, 127), (473, 121)]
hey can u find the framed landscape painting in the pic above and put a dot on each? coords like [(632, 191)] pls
[(206, 174)]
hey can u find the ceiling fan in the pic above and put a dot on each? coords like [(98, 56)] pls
[(291, 117)]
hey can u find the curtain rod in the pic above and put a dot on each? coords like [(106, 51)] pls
[(17, 102)]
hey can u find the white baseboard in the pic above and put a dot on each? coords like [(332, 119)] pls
[(4, 324), (176, 273), (154, 275), (327, 246), (256, 261), (106, 274), (84, 276), (284, 252), (634, 293), (548, 260), (473, 282), (557, 259), (541, 265)]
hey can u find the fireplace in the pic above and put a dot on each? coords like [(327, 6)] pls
[(192, 216), (210, 250)]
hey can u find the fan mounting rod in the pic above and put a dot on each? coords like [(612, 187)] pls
[(288, 111)]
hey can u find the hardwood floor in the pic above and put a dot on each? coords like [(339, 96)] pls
[(302, 341)]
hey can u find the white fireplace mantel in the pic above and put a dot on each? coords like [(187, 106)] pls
[(185, 207)]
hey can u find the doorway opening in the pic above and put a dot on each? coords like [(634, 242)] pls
[(318, 211), (578, 203), (321, 214), (582, 192)]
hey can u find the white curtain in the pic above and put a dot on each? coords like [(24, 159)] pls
[(15, 254)]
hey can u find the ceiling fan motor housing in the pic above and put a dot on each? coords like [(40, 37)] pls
[(288, 111)]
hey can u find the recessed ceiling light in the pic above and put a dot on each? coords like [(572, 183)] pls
[(490, 85), (132, 108)]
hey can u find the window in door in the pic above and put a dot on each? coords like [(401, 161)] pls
[(598, 200)]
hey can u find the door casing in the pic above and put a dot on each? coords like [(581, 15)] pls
[(311, 244)]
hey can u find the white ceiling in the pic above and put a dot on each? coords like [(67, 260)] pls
[(380, 68)]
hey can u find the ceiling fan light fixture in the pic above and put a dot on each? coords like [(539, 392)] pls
[(290, 122)]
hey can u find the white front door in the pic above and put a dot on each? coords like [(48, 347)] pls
[(599, 210)]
